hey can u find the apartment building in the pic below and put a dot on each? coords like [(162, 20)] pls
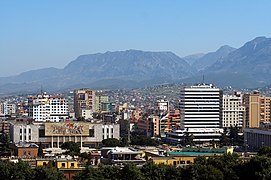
[(233, 111), (257, 109), (44, 108), (84, 99)]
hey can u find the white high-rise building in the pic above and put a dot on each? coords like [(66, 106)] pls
[(233, 111), (201, 113), (45, 108)]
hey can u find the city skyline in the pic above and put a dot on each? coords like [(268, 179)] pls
[(52, 34)]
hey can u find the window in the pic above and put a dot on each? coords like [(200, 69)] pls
[(72, 164), (29, 131), (63, 164), (44, 163), (91, 133), (188, 162), (29, 137)]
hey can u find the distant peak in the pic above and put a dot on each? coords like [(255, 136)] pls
[(226, 48)]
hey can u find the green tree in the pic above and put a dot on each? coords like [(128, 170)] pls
[(111, 142), (152, 171), (22, 171), (42, 172), (40, 150), (72, 147), (188, 139), (131, 172), (258, 168), (265, 151), (5, 170), (224, 140)]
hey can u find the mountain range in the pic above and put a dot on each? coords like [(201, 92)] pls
[(244, 67)]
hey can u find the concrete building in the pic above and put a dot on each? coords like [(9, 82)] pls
[(150, 125), (89, 134), (7, 109), (5, 127), (201, 112), (84, 99), (233, 111), (256, 138), (257, 109), (162, 105), (171, 121), (23, 150), (99, 100), (46, 108), (24, 132), (122, 155)]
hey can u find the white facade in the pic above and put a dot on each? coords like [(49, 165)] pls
[(46, 108), (7, 109), (163, 105), (201, 112), (23, 132), (233, 111)]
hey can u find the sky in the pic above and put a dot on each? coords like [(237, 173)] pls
[(39, 34)]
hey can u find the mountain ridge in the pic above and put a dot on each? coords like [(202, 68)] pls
[(244, 67)]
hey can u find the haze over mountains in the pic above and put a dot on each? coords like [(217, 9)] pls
[(245, 67)]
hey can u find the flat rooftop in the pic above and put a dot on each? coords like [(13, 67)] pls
[(188, 153)]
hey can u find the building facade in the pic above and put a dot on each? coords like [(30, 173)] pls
[(256, 138), (99, 100), (233, 111), (257, 109), (84, 99), (22, 132), (201, 112), (46, 108), (171, 121)]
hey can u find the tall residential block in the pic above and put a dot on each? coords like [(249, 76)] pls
[(257, 109), (233, 111), (84, 101)]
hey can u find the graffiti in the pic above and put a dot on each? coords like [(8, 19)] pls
[(66, 129)]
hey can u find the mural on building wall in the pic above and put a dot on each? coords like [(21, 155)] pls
[(66, 129)]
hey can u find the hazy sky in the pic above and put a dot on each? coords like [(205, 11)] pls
[(36, 34)]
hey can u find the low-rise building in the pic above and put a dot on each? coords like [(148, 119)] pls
[(122, 155), (256, 138), (25, 150), (68, 165)]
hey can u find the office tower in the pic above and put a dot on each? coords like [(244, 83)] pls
[(201, 112)]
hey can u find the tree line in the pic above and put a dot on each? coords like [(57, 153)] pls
[(225, 167)]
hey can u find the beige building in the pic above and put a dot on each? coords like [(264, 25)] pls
[(233, 111), (84, 99), (257, 109)]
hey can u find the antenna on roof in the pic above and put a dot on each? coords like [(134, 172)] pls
[(203, 79)]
